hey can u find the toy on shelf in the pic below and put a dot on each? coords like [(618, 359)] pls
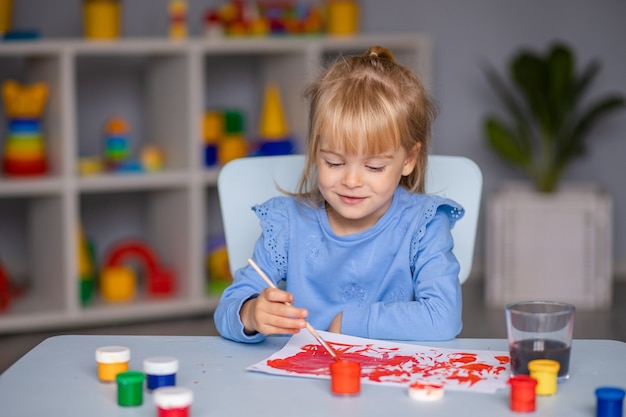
[(6, 16), (178, 19), (212, 131), (116, 143), (342, 17), (223, 132), (118, 153), (223, 136), (233, 143), (273, 134), (90, 165), (260, 18), (5, 290), (86, 267), (118, 282), (151, 158), (218, 270), (102, 19), (24, 148)]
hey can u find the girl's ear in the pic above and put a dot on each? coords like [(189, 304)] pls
[(411, 159)]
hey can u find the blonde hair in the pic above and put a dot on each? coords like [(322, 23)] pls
[(368, 103)]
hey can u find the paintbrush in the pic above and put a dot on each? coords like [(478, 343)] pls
[(310, 328)]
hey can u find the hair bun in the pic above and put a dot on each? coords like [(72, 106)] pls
[(379, 52)]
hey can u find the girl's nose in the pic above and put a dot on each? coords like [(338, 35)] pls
[(353, 178)]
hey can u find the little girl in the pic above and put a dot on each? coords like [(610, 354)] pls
[(360, 248)]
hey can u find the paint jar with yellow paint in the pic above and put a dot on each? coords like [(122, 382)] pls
[(102, 19), (545, 371), (112, 360), (342, 17)]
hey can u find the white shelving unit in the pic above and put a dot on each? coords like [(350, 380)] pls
[(163, 88)]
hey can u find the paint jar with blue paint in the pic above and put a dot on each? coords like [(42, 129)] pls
[(610, 401), (160, 371)]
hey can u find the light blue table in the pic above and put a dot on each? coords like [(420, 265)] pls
[(58, 378)]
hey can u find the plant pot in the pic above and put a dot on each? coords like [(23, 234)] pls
[(554, 247)]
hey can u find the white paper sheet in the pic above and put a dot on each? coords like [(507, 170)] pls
[(391, 363)]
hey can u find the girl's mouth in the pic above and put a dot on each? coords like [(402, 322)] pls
[(351, 199)]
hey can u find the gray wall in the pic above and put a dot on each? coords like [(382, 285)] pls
[(465, 34)]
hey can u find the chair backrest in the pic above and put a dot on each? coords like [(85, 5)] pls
[(245, 182)]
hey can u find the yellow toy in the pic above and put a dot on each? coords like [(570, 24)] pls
[(151, 158), (342, 17), (218, 270), (102, 19), (178, 19), (6, 13), (212, 127), (273, 125), (118, 283), (24, 101)]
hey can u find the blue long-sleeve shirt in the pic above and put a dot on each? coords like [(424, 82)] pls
[(397, 280)]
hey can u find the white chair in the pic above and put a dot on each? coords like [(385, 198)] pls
[(245, 182)]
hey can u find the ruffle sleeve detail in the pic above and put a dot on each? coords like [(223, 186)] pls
[(274, 220), (435, 204)]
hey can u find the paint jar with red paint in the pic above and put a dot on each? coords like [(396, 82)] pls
[(522, 393), (173, 401), (345, 378)]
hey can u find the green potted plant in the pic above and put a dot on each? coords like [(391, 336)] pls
[(547, 240), (548, 124)]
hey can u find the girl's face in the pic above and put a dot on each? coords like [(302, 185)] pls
[(358, 188)]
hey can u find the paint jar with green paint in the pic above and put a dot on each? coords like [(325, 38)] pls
[(130, 388)]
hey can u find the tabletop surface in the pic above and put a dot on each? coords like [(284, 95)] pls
[(59, 378)]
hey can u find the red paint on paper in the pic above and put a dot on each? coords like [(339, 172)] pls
[(380, 364), (503, 359)]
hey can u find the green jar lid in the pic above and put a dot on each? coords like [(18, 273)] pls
[(131, 377)]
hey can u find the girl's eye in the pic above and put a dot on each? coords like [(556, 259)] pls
[(333, 164), (376, 169)]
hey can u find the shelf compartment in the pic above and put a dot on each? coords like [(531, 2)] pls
[(150, 91), (32, 251), (238, 82), (158, 218)]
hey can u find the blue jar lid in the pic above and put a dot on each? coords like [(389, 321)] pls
[(610, 393)]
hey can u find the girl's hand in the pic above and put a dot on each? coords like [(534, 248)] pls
[(268, 314)]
